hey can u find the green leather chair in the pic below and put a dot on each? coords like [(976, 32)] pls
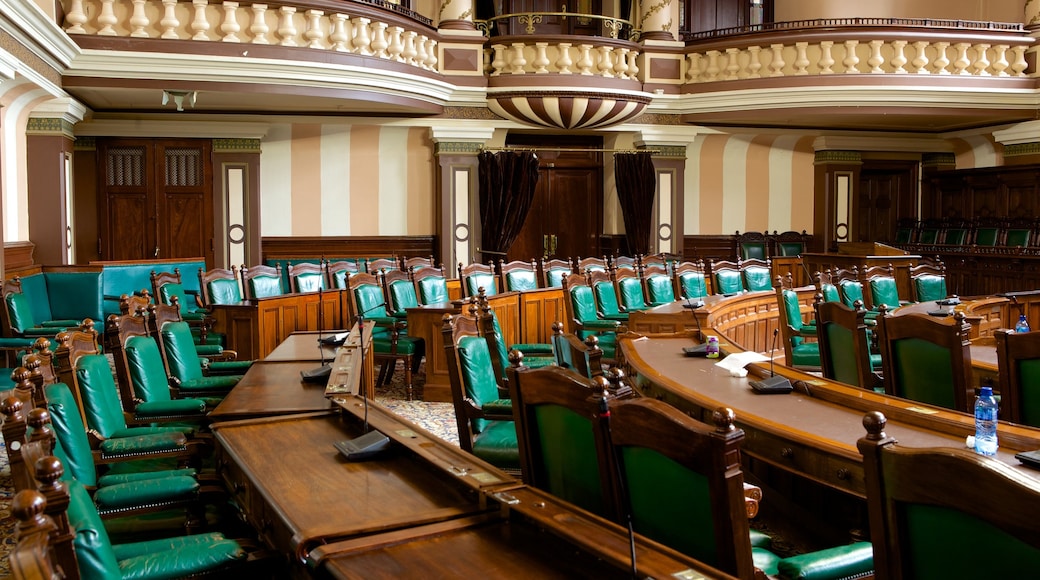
[(726, 277), (1019, 234), (584, 357), (586, 265), (1018, 365), (555, 410), (306, 276), (798, 352), (660, 288), (339, 271), (986, 233), (430, 286), (167, 288), (182, 361), (484, 420), (690, 280), (518, 275), (928, 282), (262, 281), (220, 286), (790, 243), (752, 245), (629, 291), (606, 300), (398, 286), (476, 276), (582, 312), (756, 274), (390, 340), (19, 320), (927, 359), (883, 288), (554, 271), (844, 345), (535, 355), (934, 510)]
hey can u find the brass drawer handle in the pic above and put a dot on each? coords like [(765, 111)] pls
[(787, 453)]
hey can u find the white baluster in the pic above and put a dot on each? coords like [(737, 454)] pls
[(362, 41), (693, 67), (379, 42), (431, 54), (801, 59), (230, 26), (585, 62), (982, 60), (941, 61), (712, 72), (420, 51), (286, 27), (541, 61), (755, 63), (606, 61), (564, 62), (340, 36), (826, 59), (961, 64), (314, 35), (138, 20), (621, 63), (259, 28), (898, 58), (107, 18), (921, 60), (732, 63), (199, 24), (777, 64), (851, 60), (518, 62), (875, 61), (409, 47), (633, 64), (396, 44), (1019, 65), (498, 62), (169, 22), (1000, 64), (75, 18)]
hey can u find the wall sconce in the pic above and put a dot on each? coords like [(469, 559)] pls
[(178, 98)]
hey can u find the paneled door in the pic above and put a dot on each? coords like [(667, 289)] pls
[(155, 199), (886, 192)]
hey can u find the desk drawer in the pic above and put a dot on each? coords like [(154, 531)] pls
[(809, 462)]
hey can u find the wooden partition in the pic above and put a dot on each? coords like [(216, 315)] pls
[(255, 327)]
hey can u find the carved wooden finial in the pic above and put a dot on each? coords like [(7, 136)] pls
[(724, 417), (592, 342), (516, 358), (874, 422), (557, 328), (27, 507), (48, 472)]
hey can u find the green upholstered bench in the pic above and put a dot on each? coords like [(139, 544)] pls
[(127, 277)]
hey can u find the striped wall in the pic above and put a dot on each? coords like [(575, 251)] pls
[(335, 179)]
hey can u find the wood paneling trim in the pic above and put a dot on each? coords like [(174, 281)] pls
[(281, 248), (17, 255)]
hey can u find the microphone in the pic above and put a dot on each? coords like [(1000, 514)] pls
[(702, 348), (319, 375), (604, 415), (369, 443), (774, 384)]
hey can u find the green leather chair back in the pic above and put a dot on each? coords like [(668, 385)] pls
[(339, 279), (753, 250), (660, 289), (929, 287), (181, 355), (986, 236), (794, 314), (923, 372), (402, 297), (1029, 391), (693, 284), (433, 290), (583, 304), (841, 347), (851, 291), (670, 503), (369, 301), (571, 469), (903, 235), (606, 298), (928, 236), (956, 237), (93, 547), (1017, 238), (934, 533), (556, 276), (791, 248), (631, 290), (74, 449), (728, 282), (310, 282), (830, 293), (265, 286), (478, 375), (520, 280), (883, 290), (147, 373), (19, 312), (168, 291), (99, 395), (474, 282), (224, 292), (756, 279)]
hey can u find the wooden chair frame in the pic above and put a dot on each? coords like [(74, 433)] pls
[(1013, 348), (333, 268), (294, 272), (548, 266), (421, 274), (205, 277), (416, 262), (684, 267), (505, 268), (716, 266), (260, 270), (854, 321), (749, 239), (376, 265), (465, 271), (396, 327), (584, 264)]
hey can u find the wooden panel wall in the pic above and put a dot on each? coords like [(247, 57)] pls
[(282, 248), (1006, 191)]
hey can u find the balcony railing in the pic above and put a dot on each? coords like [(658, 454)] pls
[(613, 27)]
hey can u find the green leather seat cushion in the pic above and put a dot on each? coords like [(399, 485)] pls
[(632, 298), (930, 287), (405, 345), (433, 290), (497, 444), (765, 560), (756, 279), (521, 280), (145, 492), (606, 300), (806, 354), (660, 289), (118, 478), (474, 282), (172, 407), (533, 348), (237, 367), (265, 286), (145, 443), (760, 540), (830, 564), (693, 285), (224, 292), (728, 282), (499, 407), (210, 384)]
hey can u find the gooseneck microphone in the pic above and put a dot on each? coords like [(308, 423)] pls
[(774, 384), (702, 348), (604, 415)]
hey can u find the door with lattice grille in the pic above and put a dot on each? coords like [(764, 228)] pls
[(155, 199)]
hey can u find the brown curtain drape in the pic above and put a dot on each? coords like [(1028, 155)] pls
[(636, 185), (507, 183)]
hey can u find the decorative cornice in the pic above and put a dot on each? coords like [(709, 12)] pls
[(831, 156), (474, 113), (456, 148), (1019, 149), (236, 146), (676, 151), (85, 144), (941, 159), (49, 126)]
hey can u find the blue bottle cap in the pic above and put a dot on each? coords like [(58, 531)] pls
[(985, 391)]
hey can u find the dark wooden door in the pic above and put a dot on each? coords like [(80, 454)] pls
[(887, 191), (155, 199), (566, 217)]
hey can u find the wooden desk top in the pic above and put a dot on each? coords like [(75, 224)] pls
[(303, 346), (272, 388)]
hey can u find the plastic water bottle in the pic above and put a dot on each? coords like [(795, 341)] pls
[(986, 422), (1022, 325)]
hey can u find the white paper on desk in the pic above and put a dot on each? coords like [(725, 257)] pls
[(739, 360)]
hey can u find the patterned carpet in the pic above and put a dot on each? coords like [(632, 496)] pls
[(437, 418)]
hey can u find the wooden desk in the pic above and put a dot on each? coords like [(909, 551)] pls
[(412, 511), (303, 346), (272, 388), (866, 255), (525, 317), (984, 314), (255, 327)]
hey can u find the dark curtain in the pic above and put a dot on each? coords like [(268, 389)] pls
[(636, 185), (507, 184)]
